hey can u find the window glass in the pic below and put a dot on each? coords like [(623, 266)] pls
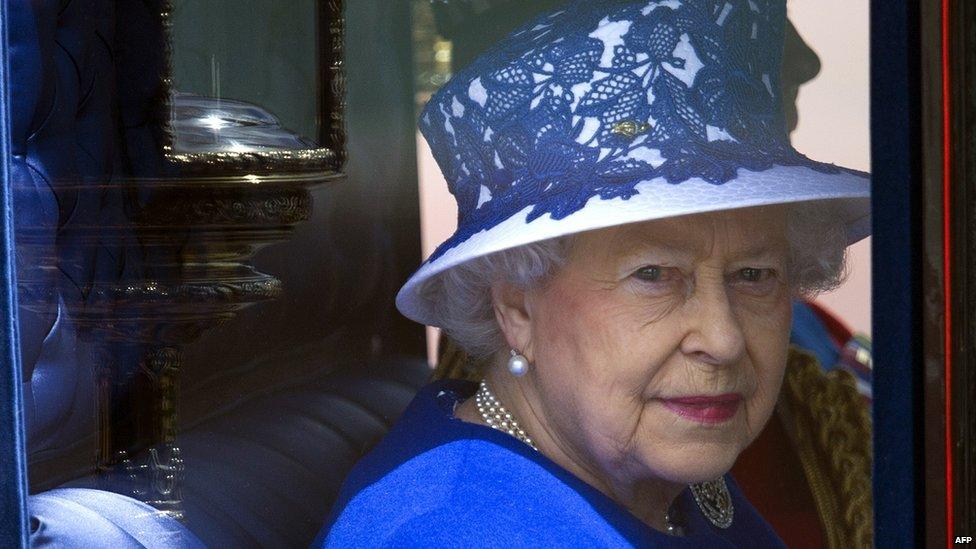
[(218, 202)]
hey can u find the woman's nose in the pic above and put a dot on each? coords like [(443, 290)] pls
[(714, 334)]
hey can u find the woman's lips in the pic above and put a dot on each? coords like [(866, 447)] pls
[(705, 409)]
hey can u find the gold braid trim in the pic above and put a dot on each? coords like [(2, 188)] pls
[(827, 419), (454, 363)]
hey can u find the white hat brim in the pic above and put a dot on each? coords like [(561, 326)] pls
[(848, 192)]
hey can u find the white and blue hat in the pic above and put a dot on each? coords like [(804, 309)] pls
[(610, 112)]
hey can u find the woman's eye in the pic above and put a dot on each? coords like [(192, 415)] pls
[(651, 273), (654, 273), (756, 279), (752, 274)]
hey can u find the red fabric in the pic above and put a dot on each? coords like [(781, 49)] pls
[(771, 476), (839, 332)]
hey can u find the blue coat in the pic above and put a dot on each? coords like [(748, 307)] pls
[(436, 481)]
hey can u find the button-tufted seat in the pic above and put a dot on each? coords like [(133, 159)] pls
[(261, 468)]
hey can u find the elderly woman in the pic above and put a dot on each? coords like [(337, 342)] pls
[(633, 227)]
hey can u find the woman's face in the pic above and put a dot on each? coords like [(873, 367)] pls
[(659, 348)]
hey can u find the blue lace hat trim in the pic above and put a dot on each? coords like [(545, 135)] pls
[(595, 98)]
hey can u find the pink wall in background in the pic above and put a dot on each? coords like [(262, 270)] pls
[(438, 217), (833, 127), (835, 122)]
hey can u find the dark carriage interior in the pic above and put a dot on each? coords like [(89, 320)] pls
[(212, 331)]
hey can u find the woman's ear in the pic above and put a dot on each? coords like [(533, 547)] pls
[(512, 314)]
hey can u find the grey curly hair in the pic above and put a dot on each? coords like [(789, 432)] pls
[(462, 295)]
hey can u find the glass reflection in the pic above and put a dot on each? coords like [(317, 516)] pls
[(205, 124), (257, 52)]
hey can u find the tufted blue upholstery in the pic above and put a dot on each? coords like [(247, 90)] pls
[(36, 204), (64, 133), (79, 517), (263, 467), (70, 131), (265, 472)]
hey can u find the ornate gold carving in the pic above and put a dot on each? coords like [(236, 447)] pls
[(220, 210), (186, 294), (828, 421), (295, 160), (155, 474)]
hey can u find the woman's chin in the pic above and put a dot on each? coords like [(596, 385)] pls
[(697, 464)]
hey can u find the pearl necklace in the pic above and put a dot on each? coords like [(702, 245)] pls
[(497, 417)]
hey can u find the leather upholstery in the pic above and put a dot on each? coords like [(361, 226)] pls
[(81, 87), (63, 132), (79, 517), (266, 471)]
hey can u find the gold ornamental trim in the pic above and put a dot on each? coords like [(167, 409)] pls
[(828, 422), (454, 363), (262, 161)]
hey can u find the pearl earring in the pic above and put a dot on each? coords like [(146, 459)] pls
[(518, 364)]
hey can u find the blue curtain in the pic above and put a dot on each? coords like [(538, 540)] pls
[(13, 469)]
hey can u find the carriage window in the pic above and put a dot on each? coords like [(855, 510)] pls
[(254, 236)]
